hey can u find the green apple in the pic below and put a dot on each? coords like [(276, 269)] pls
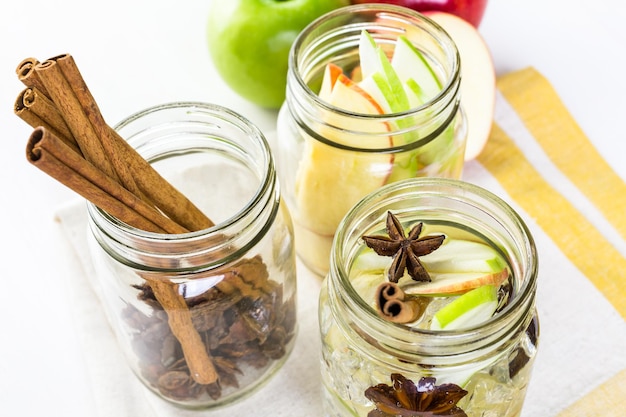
[(249, 42), (468, 310)]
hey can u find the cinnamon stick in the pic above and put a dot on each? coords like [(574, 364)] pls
[(68, 105), (53, 156), (36, 109), (94, 117), (104, 169), (58, 160), (394, 305), (134, 172), (200, 365), (26, 74)]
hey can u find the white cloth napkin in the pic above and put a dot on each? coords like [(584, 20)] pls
[(293, 391), (583, 333)]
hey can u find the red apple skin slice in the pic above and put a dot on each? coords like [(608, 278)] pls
[(331, 74), (478, 79), (457, 283), (345, 101)]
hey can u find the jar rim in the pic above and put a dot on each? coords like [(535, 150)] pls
[(399, 13), (510, 316), (266, 194)]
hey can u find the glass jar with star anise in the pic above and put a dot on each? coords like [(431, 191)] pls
[(206, 316), (429, 305), (373, 97)]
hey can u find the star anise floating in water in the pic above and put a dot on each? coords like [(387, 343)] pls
[(404, 250), (425, 399)]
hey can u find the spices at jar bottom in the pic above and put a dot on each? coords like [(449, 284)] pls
[(243, 321)]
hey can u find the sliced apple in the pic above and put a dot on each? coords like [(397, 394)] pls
[(331, 73), (454, 283), (370, 262), (380, 79), (366, 285), (460, 255), (478, 80), (468, 310), (348, 95), (368, 55), (410, 64), (331, 180), (405, 82)]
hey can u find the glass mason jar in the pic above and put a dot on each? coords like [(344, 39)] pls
[(235, 282), (360, 349), (329, 158)]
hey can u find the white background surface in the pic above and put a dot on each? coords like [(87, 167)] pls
[(135, 54)]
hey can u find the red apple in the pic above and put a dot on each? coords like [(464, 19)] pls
[(478, 79), (470, 10)]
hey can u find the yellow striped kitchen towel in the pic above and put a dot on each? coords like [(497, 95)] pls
[(539, 160)]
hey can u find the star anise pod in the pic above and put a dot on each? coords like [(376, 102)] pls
[(425, 399), (404, 250)]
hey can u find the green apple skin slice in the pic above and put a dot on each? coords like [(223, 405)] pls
[(409, 63), (415, 93), (407, 81), (398, 100), (376, 86), (368, 55), (386, 85), (469, 310)]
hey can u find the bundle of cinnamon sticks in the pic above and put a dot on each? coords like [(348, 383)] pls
[(72, 143)]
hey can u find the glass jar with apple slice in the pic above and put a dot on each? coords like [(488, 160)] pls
[(372, 98), (429, 305)]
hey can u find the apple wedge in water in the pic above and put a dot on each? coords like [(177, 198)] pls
[(459, 266), (406, 81), (456, 267), (331, 180), (459, 255), (468, 310)]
